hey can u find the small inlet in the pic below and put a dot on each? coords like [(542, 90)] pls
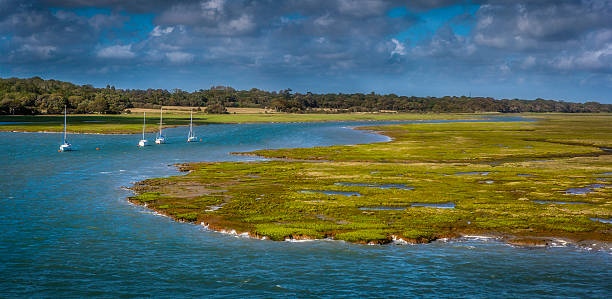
[(344, 193), (602, 220), (448, 205), (472, 173), (379, 186), (383, 208), (562, 202), (585, 190)]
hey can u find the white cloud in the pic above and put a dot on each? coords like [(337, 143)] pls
[(39, 51), (212, 8), (599, 59), (324, 20), (179, 57), (159, 31), (116, 51), (242, 24), (399, 49)]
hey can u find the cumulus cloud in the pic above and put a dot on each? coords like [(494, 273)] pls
[(536, 25), (213, 17), (332, 38), (593, 60), (116, 51)]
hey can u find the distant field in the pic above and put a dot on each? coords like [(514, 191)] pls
[(132, 123), (183, 109)]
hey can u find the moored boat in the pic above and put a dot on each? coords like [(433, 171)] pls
[(160, 137), (66, 146), (143, 142), (191, 137)]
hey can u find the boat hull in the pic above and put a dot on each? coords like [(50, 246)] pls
[(143, 143), (66, 147)]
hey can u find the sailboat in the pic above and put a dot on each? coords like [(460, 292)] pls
[(143, 142), (160, 138), (66, 146), (191, 137)]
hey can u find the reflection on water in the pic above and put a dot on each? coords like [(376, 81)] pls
[(585, 190)]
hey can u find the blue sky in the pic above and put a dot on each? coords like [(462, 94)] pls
[(559, 49)]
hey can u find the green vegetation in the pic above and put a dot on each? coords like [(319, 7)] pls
[(501, 191), (36, 96), (132, 123), (560, 136)]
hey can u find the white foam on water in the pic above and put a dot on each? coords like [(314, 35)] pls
[(298, 240), (559, 243), (155, 213), (478, 237), (399, 241), (235, 234)]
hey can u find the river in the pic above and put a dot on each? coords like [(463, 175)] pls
[(67, 231)]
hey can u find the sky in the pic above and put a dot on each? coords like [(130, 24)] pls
[(552, 49)]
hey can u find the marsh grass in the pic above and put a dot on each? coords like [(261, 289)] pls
[(264, 198)]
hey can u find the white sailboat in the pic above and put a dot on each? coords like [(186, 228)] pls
[(66, 146), (191, 137), (160, 138), (143, 142)]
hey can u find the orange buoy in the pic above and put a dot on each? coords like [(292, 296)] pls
[(97, 148), (200, 139), (59, 151)]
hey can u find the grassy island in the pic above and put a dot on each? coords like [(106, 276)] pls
[(527, 181)]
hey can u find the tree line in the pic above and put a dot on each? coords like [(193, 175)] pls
[(39, 96)]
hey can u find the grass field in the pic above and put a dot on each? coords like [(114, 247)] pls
[(132, 123), (513, 179)]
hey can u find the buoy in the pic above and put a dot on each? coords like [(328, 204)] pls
[(200, 139), (58, 151), (97, 148)]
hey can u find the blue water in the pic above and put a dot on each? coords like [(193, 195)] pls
[(67, 231)]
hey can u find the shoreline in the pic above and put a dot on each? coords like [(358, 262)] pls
[(527, 242)]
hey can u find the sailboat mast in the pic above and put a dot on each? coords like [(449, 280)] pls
[(144, 123), (161, 120), (64, 141), (191, 124)]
